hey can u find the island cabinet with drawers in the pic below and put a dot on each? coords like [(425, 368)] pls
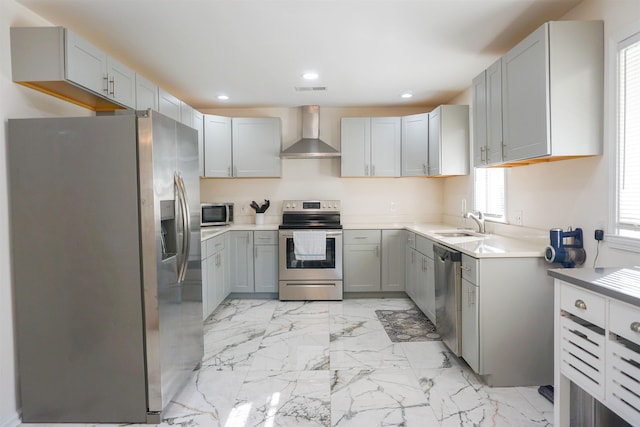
[(597, 340)]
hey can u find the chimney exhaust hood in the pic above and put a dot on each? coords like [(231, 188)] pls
[(310, 146)]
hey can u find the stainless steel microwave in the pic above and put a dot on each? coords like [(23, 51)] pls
[(216, 214)]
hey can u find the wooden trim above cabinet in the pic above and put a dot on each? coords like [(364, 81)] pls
[(74, 94)]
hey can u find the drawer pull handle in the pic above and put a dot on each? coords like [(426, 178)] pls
[(635, 327), (581, 304)]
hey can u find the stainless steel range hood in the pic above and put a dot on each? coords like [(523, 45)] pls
[(310, 146)]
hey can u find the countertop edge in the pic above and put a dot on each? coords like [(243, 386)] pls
[(565, 275)]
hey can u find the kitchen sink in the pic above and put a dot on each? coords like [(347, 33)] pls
[(455, 234)]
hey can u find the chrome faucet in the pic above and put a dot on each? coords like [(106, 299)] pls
[(478, 217)]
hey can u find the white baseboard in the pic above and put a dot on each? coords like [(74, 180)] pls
[(11, 420)]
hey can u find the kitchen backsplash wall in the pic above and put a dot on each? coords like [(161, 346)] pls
[(368, 200)]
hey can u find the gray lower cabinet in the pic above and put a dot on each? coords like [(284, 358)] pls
[(410, 261), (361, 260), (514, 304), (241, 265), (393, 242), (469, 304), (214, 274), (265, 252), (424, 291)]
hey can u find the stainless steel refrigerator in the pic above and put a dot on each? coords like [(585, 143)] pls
[(105, 235)]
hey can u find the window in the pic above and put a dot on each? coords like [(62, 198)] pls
[(489, 193), (627, 142)]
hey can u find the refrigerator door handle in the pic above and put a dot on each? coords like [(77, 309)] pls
[(186, 226)]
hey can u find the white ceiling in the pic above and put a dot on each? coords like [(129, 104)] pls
[(367, 52)]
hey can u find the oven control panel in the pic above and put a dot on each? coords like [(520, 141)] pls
[(311, 206)]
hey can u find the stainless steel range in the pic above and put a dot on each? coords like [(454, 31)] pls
[(310, 250)]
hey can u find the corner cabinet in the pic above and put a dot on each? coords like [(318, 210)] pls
[(214, 273), (242, 147), (370, 146), (241, 256), (265, 252), (552, 93), (449, 140), (415, 145), (361, 260), (393, 242)]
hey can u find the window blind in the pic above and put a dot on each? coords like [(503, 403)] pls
[(628, 170), (489, 192)]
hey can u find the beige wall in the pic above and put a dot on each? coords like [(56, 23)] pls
[(566, 193)]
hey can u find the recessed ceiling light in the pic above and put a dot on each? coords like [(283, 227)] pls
[(310, 76), (406, 95), (223, 97)]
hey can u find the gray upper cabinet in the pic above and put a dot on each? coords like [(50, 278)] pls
[(487, 116), (169, 105), (198, 124), (59, 62), (415, 145), (370, 146), (449, 140), (256, 144), (217, 146), (242, 147), (146, 94), (552, 92)]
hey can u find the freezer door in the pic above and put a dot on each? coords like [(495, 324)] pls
[(76, 269)]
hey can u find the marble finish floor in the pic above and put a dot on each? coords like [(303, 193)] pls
[(271, 363)]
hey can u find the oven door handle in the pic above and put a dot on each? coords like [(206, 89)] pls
[(329, 233)]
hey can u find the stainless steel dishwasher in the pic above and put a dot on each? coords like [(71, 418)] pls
[(448, 280)]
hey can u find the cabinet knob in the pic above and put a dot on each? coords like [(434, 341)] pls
[(635, 327), (580, 304)]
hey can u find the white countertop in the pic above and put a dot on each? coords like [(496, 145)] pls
[(477, 246)]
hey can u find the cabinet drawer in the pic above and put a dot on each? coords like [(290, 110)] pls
[(469, 269), (623, 375), (624, 320), (357, 237), (265, 237), (215, 244), (582, 354), (582, 303), (424, 246)]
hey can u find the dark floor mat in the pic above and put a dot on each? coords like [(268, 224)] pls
[(407, 325)]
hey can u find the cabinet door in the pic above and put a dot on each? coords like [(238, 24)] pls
[(415, 144), (479, 105), (217, 146), (411, 272), (205, 281), (266, 268), (430, 289), (361, 268), (211, 284), (470, 330), (219, 278), (494, 113), (421, 283), (525, 105), (169, 105), (355, 137), (256, 147), (86, 65), (385, 146), (434, 142), (122, 83), (146, 94), (186, 114), (393, 265), (241, 261), (198, 125)]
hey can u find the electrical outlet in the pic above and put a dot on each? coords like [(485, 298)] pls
[(517, 217), (243, 209), (392, 207)]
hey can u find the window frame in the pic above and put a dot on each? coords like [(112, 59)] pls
[(492, 218), (615, 238)]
